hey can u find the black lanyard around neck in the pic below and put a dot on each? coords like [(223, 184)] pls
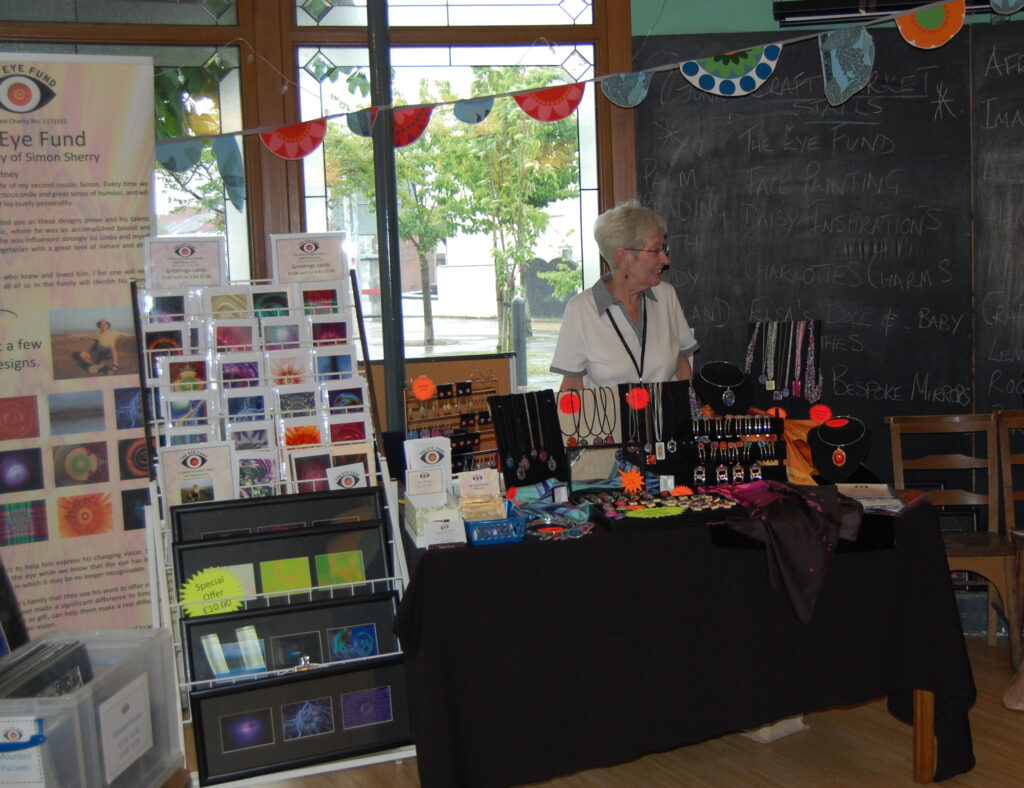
[(643, 337)]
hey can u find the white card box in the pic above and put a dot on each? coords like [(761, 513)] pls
[(429, 525), (121, 729)]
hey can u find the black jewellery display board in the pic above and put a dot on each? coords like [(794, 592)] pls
[(782, 207)]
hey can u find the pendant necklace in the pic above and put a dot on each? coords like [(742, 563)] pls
[(812, 378), (796, 386), (609, 414), (839, 449), (748, 360), (524, 459), (643, 338), (786, 347), (728, 395), (573, 400), (768, 374), (544, 456)]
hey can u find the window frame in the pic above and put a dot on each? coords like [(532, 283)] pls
[(274, 187)]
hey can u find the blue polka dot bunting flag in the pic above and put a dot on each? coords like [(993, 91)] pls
[(628, 90), (847, 56), (734, 73)]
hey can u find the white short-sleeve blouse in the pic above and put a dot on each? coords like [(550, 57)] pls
[(589, 347)]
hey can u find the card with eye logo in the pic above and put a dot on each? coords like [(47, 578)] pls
[(198, 473), (310, 257), (179, 260)]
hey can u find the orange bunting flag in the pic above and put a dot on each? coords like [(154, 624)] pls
[(933, 26), (294, 142), (551, 104)]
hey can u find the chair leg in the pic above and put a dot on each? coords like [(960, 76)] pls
[(1012, 605), (993, 618)]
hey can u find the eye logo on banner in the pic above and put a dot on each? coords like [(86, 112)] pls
[(846, 60), (551, 104), (22, 94), (932, 27), (734, 73)]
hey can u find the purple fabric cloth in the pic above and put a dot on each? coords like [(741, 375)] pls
[(799, 526)]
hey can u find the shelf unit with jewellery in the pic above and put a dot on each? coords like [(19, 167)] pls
[(274, 526)]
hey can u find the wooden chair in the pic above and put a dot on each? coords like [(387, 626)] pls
[(1011, 436), (960, 455)]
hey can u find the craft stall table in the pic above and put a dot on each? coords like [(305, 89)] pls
[(532, 660)]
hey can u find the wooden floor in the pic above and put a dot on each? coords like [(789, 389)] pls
[(859, 746)]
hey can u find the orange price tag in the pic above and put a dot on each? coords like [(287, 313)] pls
[(423, 388)]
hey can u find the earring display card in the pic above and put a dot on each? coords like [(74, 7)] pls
[(300, 719)]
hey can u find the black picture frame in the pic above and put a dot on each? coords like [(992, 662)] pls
[(303, 559), (328, 631), (300, 719), (241, 517)]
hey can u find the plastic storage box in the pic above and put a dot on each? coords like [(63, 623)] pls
[(120, 728)]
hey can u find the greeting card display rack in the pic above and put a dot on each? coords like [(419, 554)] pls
[(279, 559)]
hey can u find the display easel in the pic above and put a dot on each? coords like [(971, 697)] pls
[(195, 328)]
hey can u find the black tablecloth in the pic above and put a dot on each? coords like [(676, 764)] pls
[(531, 660)]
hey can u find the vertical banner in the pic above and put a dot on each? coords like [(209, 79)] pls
[(76, 163)]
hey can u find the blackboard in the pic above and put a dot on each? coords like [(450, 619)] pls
[(783, 207), (998, 60)]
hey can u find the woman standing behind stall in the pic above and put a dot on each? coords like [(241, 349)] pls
[(629, 327)]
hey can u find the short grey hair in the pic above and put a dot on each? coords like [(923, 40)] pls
[(628, 226)]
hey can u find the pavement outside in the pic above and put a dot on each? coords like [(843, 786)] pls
[(458, 336)]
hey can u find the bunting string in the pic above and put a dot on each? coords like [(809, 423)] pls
[(847, 56)]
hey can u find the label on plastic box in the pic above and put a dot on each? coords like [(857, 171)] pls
[(126, 727), (21, 757)]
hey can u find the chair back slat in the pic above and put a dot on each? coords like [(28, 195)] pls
[(982, 432), (1011, 424)]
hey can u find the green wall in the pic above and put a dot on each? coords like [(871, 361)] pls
[(670, 17)]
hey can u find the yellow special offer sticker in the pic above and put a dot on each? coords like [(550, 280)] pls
[(211, 591)]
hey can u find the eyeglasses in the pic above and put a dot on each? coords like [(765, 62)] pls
[(663, 249)]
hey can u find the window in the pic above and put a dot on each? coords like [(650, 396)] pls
[(257, 73)]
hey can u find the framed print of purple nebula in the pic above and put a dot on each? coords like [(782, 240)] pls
[(248, 729), (366, 707)]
